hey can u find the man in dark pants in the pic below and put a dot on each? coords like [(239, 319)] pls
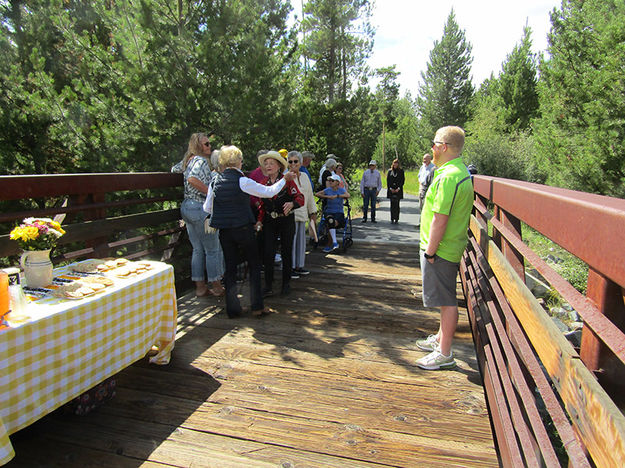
[(370, 186)]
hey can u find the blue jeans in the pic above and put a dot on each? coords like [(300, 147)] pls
[(369, 195), (207, 260)]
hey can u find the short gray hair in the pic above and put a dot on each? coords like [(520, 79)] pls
[(308, 154), (331, 163), (297, 154), (215, 159)]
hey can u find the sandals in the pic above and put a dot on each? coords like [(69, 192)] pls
[(211, 292), (261, 312)]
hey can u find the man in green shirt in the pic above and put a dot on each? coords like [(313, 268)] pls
[(444, 223)]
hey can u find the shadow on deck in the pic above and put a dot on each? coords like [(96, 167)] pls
[(328, 380)]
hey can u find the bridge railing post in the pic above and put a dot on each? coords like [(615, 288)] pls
[(510, 252), (608, 297)]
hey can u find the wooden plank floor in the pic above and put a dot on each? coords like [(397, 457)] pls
[(328, 380)]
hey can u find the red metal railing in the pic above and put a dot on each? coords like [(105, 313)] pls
[(134, 215), (521, 352)]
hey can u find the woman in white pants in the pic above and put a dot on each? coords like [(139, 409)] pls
[(302, 214)]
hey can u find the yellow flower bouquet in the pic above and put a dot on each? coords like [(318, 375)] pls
[(37, 233)]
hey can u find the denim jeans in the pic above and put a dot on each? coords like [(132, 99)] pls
[(207, 260), (369, 195)]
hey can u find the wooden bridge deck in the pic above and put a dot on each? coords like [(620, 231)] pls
[(328, 380)]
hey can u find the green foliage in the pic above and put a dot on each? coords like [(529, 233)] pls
[(446, 91), (517, 85), (401, 142), (581, 134), (500, 155), (571, 268), (120, 86), (500, 142), (337, 42)]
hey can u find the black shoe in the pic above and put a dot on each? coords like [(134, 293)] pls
[(286, 290), (374, 221), (364, 220), (233, 315), (294, 274), (267, 292), (302, 271)]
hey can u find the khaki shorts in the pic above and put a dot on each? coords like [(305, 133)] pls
[(439, 282)]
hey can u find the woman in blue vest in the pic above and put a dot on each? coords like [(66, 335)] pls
[(207, 259), (228, 203)]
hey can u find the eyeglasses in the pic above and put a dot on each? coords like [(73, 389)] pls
[(434, 143), (295, 161), (207, 144)]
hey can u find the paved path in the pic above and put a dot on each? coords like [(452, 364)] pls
[(405, 232)]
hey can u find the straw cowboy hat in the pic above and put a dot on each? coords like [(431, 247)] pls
[(272, 155)]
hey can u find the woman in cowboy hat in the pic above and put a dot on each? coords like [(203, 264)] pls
[(277, 221)]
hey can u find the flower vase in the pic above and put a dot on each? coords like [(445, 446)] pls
[(37, 268)]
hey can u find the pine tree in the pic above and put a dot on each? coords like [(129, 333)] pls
[(518, 85), (338, 41), (581, 132), (446, 90)]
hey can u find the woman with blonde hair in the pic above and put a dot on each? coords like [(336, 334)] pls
[(228, 203), (207, 259)]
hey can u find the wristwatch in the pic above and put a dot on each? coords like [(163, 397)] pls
[(428, 256)]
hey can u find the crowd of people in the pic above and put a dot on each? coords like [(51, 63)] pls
[(232, 218)]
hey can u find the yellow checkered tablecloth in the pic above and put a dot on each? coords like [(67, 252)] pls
[(70, 346)]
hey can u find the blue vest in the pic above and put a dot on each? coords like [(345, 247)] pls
[(231, 205)]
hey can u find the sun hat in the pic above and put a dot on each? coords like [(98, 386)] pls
[(373, 163), (273, 155), (335, 177)]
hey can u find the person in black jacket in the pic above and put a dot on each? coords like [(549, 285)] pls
[(228, 204), (395, 188)]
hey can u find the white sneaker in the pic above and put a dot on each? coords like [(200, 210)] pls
[(429, 344), (436, 360)]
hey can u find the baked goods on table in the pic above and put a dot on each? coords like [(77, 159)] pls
[(130, 269), (117, 267), (75, 290)]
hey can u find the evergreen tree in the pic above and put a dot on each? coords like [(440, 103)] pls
[(518, 85), (338, 41), (500, 142), (446, 89), (581, 133)]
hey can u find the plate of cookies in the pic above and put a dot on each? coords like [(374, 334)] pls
[(130, 269), (76, 290)]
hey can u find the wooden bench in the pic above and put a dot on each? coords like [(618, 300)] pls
[(546, 402)]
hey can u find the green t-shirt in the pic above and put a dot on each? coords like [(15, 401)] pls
[(451, 194)]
